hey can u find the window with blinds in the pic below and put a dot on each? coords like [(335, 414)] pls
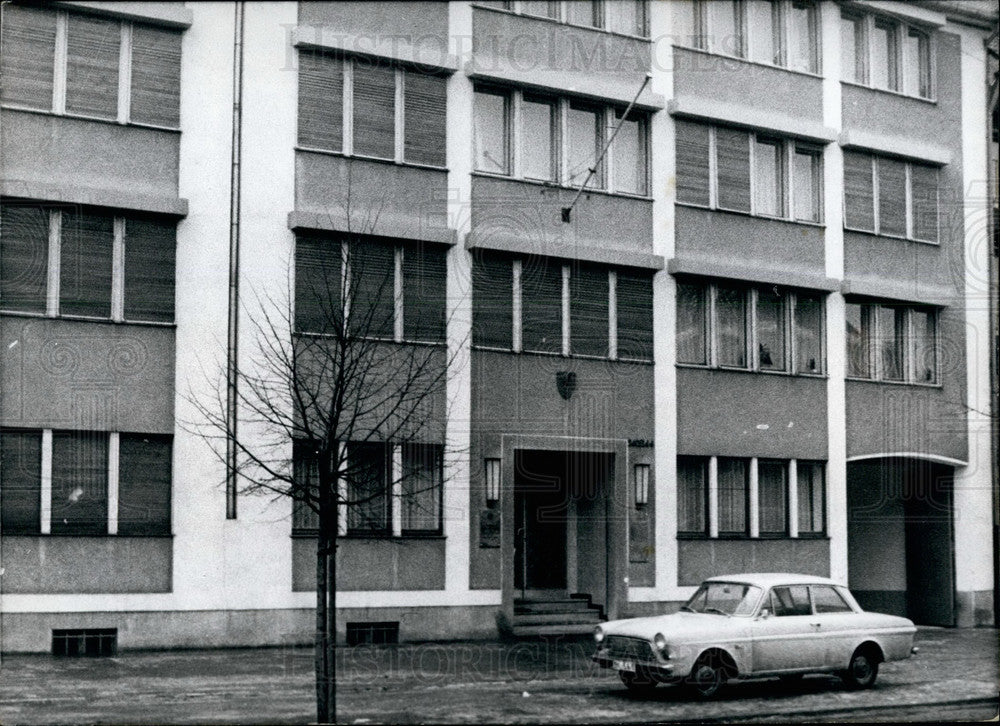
[(635, 315), (317, 284), (733, 483), (28, 40), (907, 196), (321, 103), (372, 290), (369, 504), (421, 488), (156, 76), (425, 118), (79, 482), (144, 476), (24, 245), (85, 268), (772, 497), (92, 50), (374, 103), (541, 305), (692, 324), (811, 498), (733, 174), (492, 300), (692, 495), (891, 197), (424, 287), (924, 188), (859, 198), (693, 165), (150, 252), (589, 310), (20, 481)]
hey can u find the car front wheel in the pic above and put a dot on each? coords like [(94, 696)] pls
[(862, 670), (638, 683), (707, 677)]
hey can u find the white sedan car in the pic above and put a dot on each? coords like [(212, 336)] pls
[(748, 626)]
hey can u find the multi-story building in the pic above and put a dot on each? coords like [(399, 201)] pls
[(758, 340)]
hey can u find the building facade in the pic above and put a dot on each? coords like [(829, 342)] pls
[(758, 340)]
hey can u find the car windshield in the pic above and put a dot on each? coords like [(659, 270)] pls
[(724, 598)]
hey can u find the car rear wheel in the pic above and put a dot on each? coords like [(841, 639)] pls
[(707, 677), (637, 682), (862, 670)]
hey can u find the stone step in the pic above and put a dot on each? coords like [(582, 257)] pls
[(534, 631), (587, 616), (552, 606)]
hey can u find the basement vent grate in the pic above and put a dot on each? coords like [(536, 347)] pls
[(384, 633), (92, 642)]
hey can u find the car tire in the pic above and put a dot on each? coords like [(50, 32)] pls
[(638, 683), (862, 670), (707, 678)]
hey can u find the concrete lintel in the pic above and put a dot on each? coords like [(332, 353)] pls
[(113, 198), (390, 46), (768, 275), (171, 14), (910, 12), (749, 117), (302, 220), (585, 253), (904, 292), (896, 145)]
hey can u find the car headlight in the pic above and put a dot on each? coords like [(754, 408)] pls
[(598, 634), (661, 644)]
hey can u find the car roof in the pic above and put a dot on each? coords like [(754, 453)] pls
[(770, 579)]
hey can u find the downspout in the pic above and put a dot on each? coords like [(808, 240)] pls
[(232, 362)]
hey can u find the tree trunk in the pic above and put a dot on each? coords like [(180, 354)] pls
[(324, 708)]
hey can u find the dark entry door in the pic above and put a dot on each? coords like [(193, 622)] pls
[(540, 489), (930, 575)]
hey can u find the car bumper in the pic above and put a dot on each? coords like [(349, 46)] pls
[(660, 671)]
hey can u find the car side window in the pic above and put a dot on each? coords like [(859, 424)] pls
[(828, 600), (790, 600)]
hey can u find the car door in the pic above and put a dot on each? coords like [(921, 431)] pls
[(787, 639), (836, 622)]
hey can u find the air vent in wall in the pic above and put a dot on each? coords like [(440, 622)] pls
[(381, 633), (85, 642)]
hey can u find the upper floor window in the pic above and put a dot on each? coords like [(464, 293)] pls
[(778, 33), (892, 342), (393, 291), (90, 66), (368, 107), (546, 305), (885, 53), (619, 16), (550, 139), (751, 328), (86, 262), (890, 196), (744, 171)]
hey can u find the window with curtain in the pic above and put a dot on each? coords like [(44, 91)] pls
[(692, 495), (150, 253), (808, 333), (24, 255), (588, 310), (733, 482), (769, 177), (424, 286), (492, 300), (28, 38), (635, 314), (891, 327), (770, 314), (305, 472), (807, 184), (858, 337), (369, 500), (156, 76), (85, 267), (20, 481), (731, 326), (693, 165), (79, 482), (541, 305), (374, 100), (421, 488), (859, 192), (692, 319), (537, 137), (733, 169), (772, 497), (490, 132), (811, 498), (144, 476), (924, 324)]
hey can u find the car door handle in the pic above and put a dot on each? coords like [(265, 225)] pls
[(816, 625)]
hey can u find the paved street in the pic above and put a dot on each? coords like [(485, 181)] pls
[(955, 677)]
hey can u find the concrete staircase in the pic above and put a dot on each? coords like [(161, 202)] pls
[(574, 615)]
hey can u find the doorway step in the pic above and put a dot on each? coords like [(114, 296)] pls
[(574, 615)]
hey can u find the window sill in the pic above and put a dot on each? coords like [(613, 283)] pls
[(373, 339), (102, 535), (557, 21), (899, 238), (83, 117), (375, 159), (562, 187), (571, 356), (696, 366), (786, 220), (743, 537), (307, 534), (748, 61), (890, 92), (915, 384), (86, 319)]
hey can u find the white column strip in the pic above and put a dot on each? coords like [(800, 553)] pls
[(348, 110), (59, 66), (113, 449), (713, 496), (341, 494), (516, 305), (118, 271), (396, 484), (125, 74), (793, 498), (565, 310), (612, 315), (54, 268), (400, 117), (754, 503), (397, 292), (45, 525)]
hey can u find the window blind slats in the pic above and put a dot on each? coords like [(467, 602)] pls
[(321, 101), (92, 49), (492, 301), (372, 296), (859, 204), (85, 265), (892, 197), (24, 253), (924, 185), (541, 305), (424, 294), (156, 76), (28, 39), (144, 475), (374, 110), (635, 315), (150, 252), (79, 482), (425, 117), (20, 481), (733, 154), (317, 284), (589, 310)]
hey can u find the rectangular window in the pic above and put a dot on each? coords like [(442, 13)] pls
[(916, 63), (635, 315), (692, 324), (156, 76), (726, 27), (924, 196), (891, 327), (490, 132), (770, 314), (733, 175), (803, 47), (374, 97), (372, 289), (733, 481), (731, 324), (305, 473), (811, 498), (541, 305), (28, 39), (424, 118), (764, 25), (79, 482), (924, 324), (24, 253), (537, 134), (317, 284), (540, 8), (86, 264), (627, 16), (20, 480), (769, 178), (369, 503), (907, 197), (885, 73), (807, 184), (808, 334), (693, 166), (852, 43), (589, 310), (583, 128), (858, 337), (321, 103), (492, 300), (692, 495), (144, 475), (421, 488), (150, 251), (584, 12), (827, 600), (629, 153), (424, 285), (891, 197), (859, 192), (92, 50), (772, 497)]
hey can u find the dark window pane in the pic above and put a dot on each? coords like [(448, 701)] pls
[(732, 495), (79, 482), (588, 310), (372, 296), (731, 324), (92, 46), (424, 118), (321, 101), (424, 293), (692, 163), (770, 329), (808, 334), (811, 496), (541, 305), (891, 332), (892, 197), (20, 481), (317, 284), (150, 250), (492, 301), (859, 191), (374, 109), (156, 76), (733, 153), (858, 341), (490, 133), (924, 346), (635, 315), (24, 256), (305, 472), (924, 191), (791, 601), (28, 39), (691, 328), (367, 494), (828, 600), (692, 493), (144, 475), (85, 265), (421, 488), (772, 496)]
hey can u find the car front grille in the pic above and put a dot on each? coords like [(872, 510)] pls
[(624, 647)]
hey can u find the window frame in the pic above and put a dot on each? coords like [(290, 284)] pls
[(821, 466), (900, 30), (561, 14), (908, 201), (870, 310)]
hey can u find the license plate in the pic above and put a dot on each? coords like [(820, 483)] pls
[(625, 665)]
